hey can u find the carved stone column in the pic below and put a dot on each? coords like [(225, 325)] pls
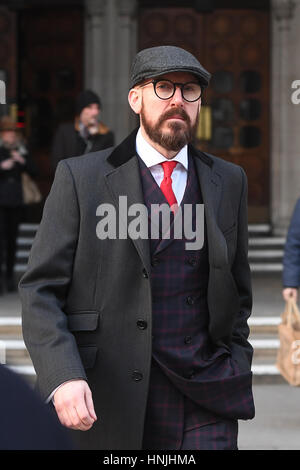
[(127, 43), (94, 41), (110, 47), (282, 167)]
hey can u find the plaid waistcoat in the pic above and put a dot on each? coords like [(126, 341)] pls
[(191, 380)]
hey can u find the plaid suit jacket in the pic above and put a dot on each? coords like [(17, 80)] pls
[(182, 347)]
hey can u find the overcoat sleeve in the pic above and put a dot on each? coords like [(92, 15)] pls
[(43, 288)]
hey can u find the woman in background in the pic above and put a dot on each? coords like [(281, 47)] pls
[(13, 161)]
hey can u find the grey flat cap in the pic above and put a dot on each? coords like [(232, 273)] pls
[(157, 61)]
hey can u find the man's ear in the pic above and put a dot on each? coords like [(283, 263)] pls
[(135, 100)]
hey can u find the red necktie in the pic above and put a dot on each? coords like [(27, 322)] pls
[(166, 184)]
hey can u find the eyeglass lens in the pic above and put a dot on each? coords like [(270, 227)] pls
[(165, 89)]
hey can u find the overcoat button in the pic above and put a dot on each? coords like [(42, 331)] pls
[(137, 375), (142, 324), (187, 339), (190, 300), (192, 261), (145, 275), (191, 374)]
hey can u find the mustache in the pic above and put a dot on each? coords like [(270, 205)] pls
[(175, 112)]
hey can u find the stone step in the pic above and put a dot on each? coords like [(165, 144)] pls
[(10, 326), (262, 373), (25, 241), (259, 229), (264, 347), (28, 228), (265, 267), (265, 250), (13, 325), (266, 374), (14, 350), (263, 337), (266, 242), (263, 324), (22, 255), (26, 371), (265, 254)]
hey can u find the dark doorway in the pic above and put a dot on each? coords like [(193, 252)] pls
[(50, 75)]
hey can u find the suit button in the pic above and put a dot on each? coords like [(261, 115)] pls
[(190, 300), (142, 324), (190, 375), (137, 376), (187, 339), (192, 261), (154, 262), (145, 275)]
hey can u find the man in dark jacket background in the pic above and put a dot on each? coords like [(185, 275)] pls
[(86, 134)]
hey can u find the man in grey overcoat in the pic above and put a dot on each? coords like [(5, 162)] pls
[(140, 342)]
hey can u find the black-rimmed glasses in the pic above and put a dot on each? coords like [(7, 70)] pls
[(165, 89)]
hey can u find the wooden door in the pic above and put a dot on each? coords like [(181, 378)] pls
[(234, 46)]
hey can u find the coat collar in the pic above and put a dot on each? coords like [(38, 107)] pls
[(126, 150)]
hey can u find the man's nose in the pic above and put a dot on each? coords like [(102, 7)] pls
[(177, 99)]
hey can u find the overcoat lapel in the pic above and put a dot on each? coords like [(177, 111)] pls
[(222, 295), (125, 180), (211, 187)]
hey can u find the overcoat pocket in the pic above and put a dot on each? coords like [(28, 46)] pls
[(80, 322), (83, 321)]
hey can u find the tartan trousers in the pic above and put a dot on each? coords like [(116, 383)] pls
[(174, 422), (221, 435)]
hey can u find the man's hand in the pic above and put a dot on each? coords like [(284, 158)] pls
[(17, 157), (290, 293), (74, 405), (7, 164)]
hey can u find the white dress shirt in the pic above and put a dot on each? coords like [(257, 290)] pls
[(152, 159)]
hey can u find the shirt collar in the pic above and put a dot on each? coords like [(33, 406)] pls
[(152, 157)]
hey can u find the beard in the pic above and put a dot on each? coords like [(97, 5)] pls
[(179, 133)]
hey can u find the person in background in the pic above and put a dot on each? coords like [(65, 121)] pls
[(14, 160), (86, 134), (291, 258)]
